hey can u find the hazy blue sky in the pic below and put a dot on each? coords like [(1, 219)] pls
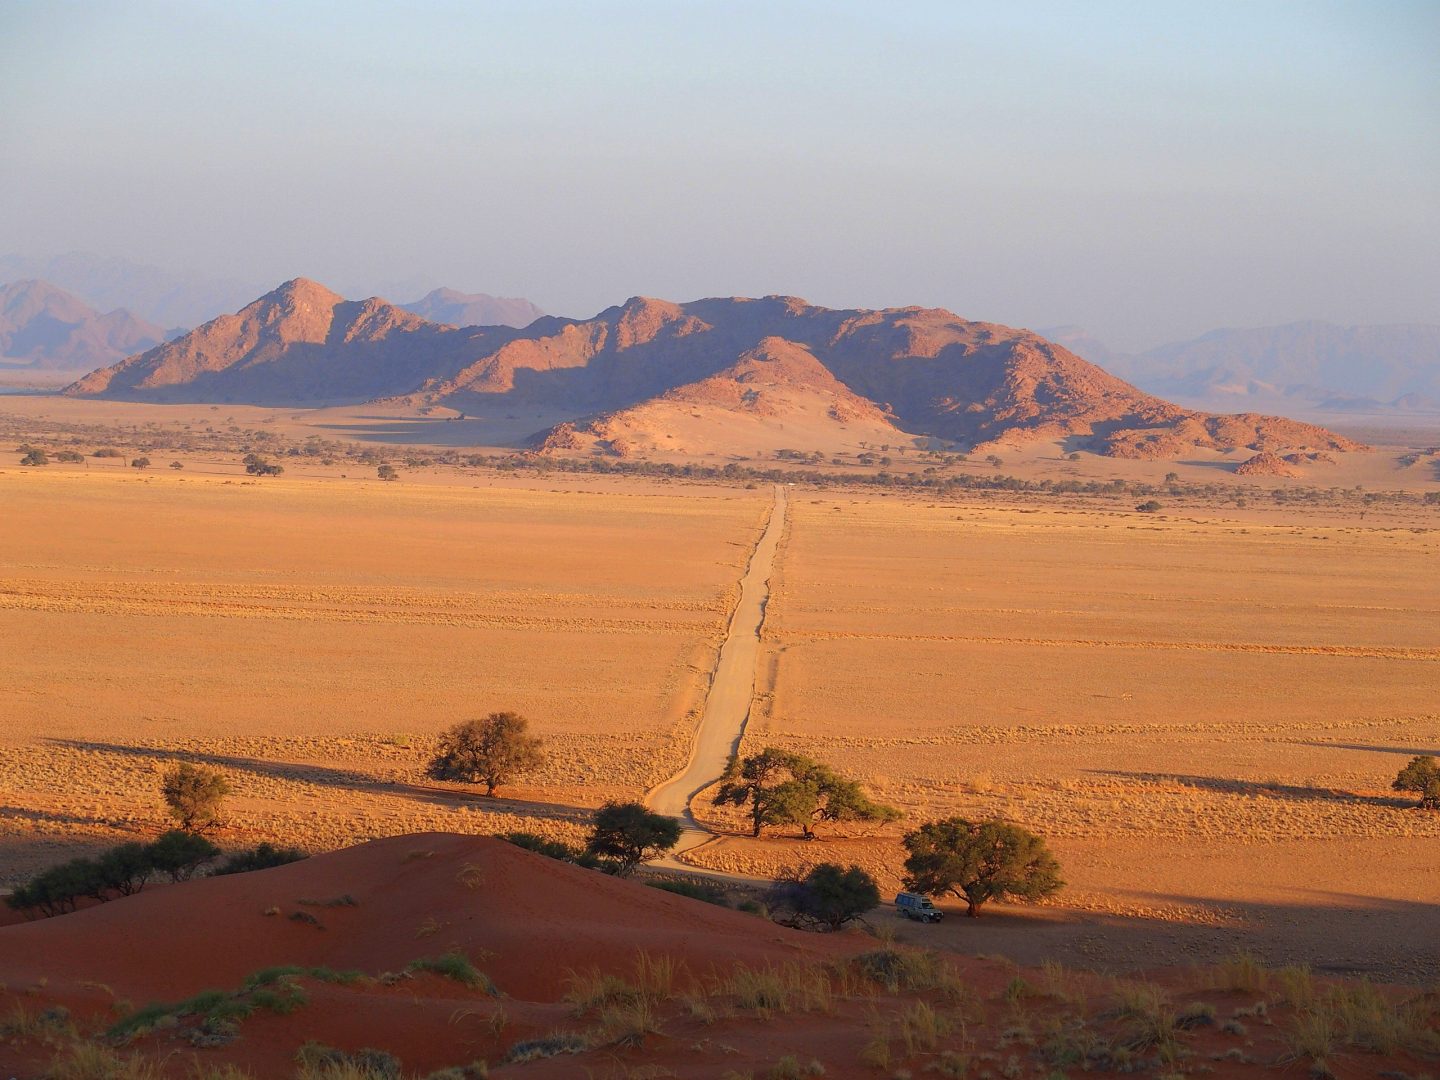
[(1148, 169)]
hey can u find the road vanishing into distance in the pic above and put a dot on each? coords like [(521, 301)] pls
[(732, 688)]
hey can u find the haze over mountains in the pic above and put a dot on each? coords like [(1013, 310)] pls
[(474, 309), (48, 329), (184, 300), (635, 374), (1308, 366)]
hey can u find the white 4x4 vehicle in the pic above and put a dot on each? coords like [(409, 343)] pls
[(914, 906)]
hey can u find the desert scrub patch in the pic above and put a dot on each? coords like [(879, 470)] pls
[(1241, 972), (271, 975), (212, 1008), (790, 1067), (552, 1045), (91, 1061), (593, 988), (316, 1061), (896, 970), (785, 988), (628, 1023), (50, 1025), (476, 1070), (457, 966)]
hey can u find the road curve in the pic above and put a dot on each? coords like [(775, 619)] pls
[(732, 687)]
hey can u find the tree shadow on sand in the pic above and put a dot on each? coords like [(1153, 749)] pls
[(1261, 789), (53, 817), (1334, 933), (344, 779), (1408, 751)]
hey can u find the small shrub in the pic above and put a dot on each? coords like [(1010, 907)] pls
[(457, 966), (260, 857), (551, 849), (180, 854), (704, 891), (560, 1042)]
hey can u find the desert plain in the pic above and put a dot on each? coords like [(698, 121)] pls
[(1201, 709)]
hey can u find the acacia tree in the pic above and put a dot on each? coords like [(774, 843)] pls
[(785, 788), (753, 780), (825, 898), (816, 793), (979, 861), (491, 751), (193, 795), (631, 833), (1421, 776)]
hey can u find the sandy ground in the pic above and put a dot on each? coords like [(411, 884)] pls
[(1203, 716), (731, 691), (1202, 709)]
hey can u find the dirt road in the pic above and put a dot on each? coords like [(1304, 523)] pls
[(727, 705)]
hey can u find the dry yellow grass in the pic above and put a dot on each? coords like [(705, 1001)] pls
[(1204, 717), (1202, 714), (312, 636)]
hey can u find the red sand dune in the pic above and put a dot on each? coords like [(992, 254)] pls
[(528, 922)]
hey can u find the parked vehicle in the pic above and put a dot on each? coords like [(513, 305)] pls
[(917, 907)]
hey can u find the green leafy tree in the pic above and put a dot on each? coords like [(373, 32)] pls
[(753, 780), (815, 793), (35, 456), (387, 472), (979, 861), (193, 795), (124, 869), (784, 788), (256, 465), (826, 898), (1421, 776), (179, 854), (631, 833), (491, 751)]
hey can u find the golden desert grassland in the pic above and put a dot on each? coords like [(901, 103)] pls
[(1204, 716), (1202, 713), (310, 637)]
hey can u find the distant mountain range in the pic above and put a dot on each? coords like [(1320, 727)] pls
[(474, 309), (1314, 367), (629, 378), (45, 328), (184, 300)]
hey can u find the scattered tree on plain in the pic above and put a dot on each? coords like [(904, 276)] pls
[(387, 472), (256, 465), (1422, 777), (141, 463), (826, 898), (193, 795), (35, 456), (492, 751), (785, 788), (979, 861), (630, 833)]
